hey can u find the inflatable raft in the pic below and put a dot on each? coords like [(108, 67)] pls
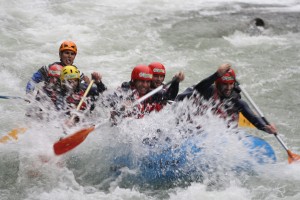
[(188, 161)]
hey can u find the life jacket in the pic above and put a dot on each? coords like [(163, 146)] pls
[(147, 106), (75, 98), (52, 94), (225, 108), (47, 93)]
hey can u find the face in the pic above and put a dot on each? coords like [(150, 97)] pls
[(67, 57), (225, 89), (71, 84), (157, 80), (53, 82), (142, 86)]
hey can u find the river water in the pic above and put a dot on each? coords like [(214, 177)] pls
[(112, 37)]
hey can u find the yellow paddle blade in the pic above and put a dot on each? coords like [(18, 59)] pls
[(13, 134), (243, 122)]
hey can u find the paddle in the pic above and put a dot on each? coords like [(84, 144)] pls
[(81, 101), (291, 156), (64, 142), (13, 134), (70, 142), (10, 97)]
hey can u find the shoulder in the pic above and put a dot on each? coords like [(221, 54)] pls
[(126, 85), (187, 93)]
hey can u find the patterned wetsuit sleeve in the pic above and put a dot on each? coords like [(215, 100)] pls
[(37, 77), (250, 115)]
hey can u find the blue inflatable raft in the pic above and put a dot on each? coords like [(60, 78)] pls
[(186, 162)]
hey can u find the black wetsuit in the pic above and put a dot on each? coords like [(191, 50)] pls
[(207, 89), (170, 92)]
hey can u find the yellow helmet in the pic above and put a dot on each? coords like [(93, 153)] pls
[(69, 72), (68, 45)]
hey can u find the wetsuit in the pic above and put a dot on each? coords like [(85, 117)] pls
[(207, 89), (171, 91)]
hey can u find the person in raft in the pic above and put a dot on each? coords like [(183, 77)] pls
[(72, 91), (137, 87), (159, 74), (67, 54), (222, 88)]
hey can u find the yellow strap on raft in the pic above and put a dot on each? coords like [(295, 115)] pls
[(243, 122)]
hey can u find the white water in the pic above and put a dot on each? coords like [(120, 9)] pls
[(112, 37)]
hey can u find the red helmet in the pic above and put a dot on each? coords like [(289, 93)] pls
[(141, 72), (157, 68), (68, 45), (54, 70), (229, 77)]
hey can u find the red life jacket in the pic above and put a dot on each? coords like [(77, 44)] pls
[(47, 93), (75, 98), (220, 109), (147, 106), (51, 93)]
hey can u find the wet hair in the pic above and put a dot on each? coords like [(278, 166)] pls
[(259, 22)]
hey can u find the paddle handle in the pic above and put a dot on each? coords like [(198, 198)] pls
[(261, 115), (10, 97), (146, 96), (83, 98), (253, 103), (85, 94)]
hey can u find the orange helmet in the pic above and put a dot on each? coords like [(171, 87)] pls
[(68, 45)]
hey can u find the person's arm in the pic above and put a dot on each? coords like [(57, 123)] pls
[(251, 116), (95, 91), (186, 94), (101, 87), (206, 83), (37, 77), (172, 91), (97, 77)]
